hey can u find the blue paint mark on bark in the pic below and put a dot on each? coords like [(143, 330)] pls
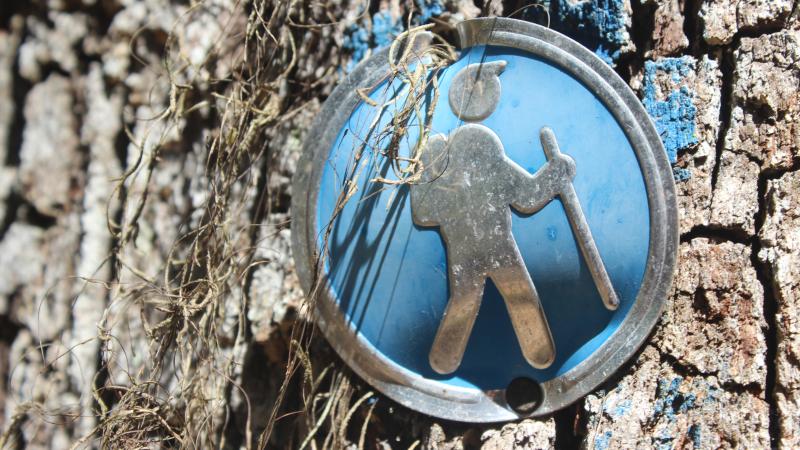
[(621, 409), (681, 174), (597, 24), (357, 43), (601, 442), (427, 9), (382, 28), (385, 29), (675, 115), (360, 39), (671, 400)]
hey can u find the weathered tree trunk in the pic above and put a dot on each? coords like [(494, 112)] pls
[(147, 290)]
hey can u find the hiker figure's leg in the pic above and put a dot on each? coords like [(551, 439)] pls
[(527, 315), (459, 317)]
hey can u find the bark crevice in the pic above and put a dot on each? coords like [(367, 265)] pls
[(765, 275), (727, 67)]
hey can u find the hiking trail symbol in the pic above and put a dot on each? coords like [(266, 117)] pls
[(467, 188)]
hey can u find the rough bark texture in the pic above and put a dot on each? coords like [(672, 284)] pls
[(91, 123)]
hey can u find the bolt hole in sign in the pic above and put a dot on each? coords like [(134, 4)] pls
[(495, 244)]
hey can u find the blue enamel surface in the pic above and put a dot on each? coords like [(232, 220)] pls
[(391, 277)]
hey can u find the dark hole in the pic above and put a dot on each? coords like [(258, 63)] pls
[(524, 395)]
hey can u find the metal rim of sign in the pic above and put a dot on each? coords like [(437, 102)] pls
[(472, 405)]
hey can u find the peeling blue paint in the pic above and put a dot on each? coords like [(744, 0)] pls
[(601, 442), (357, 43), (681, 174), (358, 40), (427, 9), (385, 29), (666, 393), (674, 116), (674, 119), (620, 409), (597, 24), (671, 401)]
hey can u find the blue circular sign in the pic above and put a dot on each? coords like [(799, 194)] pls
[(522, 228)]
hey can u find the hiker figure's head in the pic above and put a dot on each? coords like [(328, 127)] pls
[(475, 90)]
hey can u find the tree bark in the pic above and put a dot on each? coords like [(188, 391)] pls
[(148, 294)]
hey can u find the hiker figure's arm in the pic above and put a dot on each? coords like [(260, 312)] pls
[(533, 192), (424, 190)]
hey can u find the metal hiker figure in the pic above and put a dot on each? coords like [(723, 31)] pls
[(467, 188)]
